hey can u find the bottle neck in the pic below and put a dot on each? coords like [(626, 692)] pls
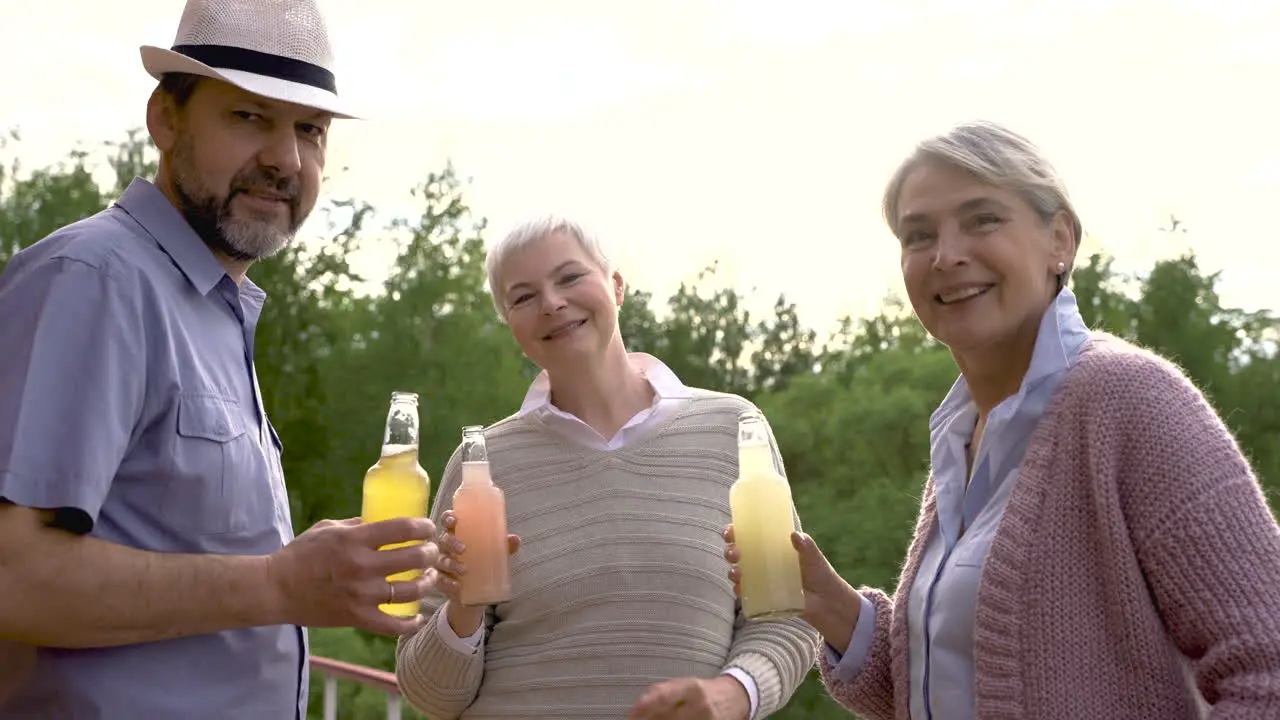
[(755, 462), (401, 429), (476, 474), (395, 454)]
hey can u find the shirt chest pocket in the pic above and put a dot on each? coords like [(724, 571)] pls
[(219, 482)]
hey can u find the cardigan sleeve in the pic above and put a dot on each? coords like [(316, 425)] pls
[(869, 691), (435, 676), (1206, 540)]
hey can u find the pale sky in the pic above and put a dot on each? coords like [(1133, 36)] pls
[(757, 132)]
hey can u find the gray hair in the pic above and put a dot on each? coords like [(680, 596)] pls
[(529, 232), (997, 156)]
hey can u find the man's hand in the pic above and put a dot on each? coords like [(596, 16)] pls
[(723, 698), (333, 575)]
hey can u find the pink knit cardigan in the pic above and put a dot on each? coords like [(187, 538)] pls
[(1136, 535)]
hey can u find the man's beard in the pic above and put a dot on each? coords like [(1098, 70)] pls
[(239, 238)]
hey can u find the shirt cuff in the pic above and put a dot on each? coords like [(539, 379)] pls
[(848, 667), (747, 682), (466, 646)]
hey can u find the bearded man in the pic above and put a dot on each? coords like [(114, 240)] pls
[(147, 557)]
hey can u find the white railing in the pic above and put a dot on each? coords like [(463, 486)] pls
[(334, 670)]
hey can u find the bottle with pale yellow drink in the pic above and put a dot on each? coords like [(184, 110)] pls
[(763, 521), (396, 485), (480, 509)]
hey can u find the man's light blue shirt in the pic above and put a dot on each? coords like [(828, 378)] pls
[(129, 403)]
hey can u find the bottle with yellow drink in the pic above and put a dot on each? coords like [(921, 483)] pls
[(763, 521), (396, 485)]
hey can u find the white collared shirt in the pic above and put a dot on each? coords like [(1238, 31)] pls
[(669, 395)]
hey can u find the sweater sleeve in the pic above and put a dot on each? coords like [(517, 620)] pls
[(777, 654), (434, 676), (869, 692), (1206, 540)]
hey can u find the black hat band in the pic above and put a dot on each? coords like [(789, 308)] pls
[(282, 68)]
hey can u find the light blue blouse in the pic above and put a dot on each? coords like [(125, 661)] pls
[(943, 601)]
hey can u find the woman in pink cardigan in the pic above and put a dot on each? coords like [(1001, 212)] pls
[(1091, 542)]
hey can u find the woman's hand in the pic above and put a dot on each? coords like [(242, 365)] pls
[(831, 605), (463, 620), (723, 698)]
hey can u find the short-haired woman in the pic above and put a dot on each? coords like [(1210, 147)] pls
[(617, 482)]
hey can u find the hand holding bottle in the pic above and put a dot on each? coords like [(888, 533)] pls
[(334, 575), (449, 567), (831, 604)]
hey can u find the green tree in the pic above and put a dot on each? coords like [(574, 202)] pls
[(785, 349), (1100, 293), (49, 198)]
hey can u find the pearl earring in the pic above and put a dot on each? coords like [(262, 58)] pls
[(1062, 267)]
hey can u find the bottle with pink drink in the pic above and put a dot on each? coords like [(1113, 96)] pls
[(480, 508)]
